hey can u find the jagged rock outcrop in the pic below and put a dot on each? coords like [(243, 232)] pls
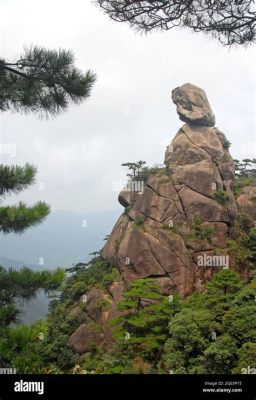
[(100, 308), (158, 235), (186, 211)]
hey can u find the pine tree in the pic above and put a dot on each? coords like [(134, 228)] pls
[(232, 22), (143, 327), (43, 81), (23, 285), (19, 217)]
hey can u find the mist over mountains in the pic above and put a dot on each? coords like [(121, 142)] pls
[(65, 238)]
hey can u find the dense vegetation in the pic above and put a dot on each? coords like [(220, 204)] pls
[(19, 343), (209, 332)]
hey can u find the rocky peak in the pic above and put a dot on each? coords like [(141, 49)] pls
[(192, 105), (184, 210), (175, 226)]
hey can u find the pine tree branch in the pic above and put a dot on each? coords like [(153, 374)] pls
[(15, 179), (44, 81), (18, 218)]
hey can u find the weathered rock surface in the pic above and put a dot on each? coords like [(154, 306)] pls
[(192, 105), (246, 202), (185, 212), (82, 340), (199, 170), (100, 308)]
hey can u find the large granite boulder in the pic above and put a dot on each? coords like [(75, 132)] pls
[(192, 105)]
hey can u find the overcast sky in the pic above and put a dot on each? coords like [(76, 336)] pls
[(129, 115)]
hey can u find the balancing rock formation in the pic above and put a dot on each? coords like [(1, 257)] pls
[(198, 167), (185, 211)]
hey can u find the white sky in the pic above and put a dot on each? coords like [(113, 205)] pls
[(129, 115)]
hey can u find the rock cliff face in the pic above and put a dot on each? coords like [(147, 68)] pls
[(175, 229), (185, 210)]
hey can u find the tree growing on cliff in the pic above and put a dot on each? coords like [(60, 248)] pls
[(43, 81), (135, 168), (139, 171), (143, 328), (232, 22)]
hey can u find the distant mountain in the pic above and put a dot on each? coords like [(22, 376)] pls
[(36, 308), (65, 238), (10, 263)]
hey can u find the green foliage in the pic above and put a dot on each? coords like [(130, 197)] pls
[(226, 144), (190, 334), (43, 81), (250, 243), (139, 221), (211, 332), (240, 323), (19, 347), (111, 362), (20, 217), (128, 209), (246, 357), (23, 285), (220, 356), (240, 183), (104, 305), (87, 276), (213, 328), (201, 230), (15, 179), (145, 319), (246, 168), (62, 323), (244, 248), (147, 171), (224, 283), (140, 171), (245, 222), (135, 168), (109, 278), (55, 352), (221, 197)]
